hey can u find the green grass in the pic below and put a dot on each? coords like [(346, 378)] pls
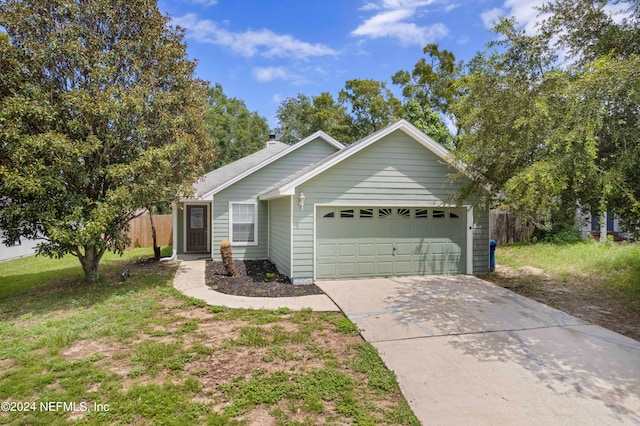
[(617, 265), (152, 355), (378, 376), (608, 269)]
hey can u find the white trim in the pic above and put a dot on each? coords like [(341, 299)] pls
[(291, 237), (469, 240), (209, 206), (174, 236), (319, 134), (313, 249), (393, 204), (269, 230), (403, 125), (254, 203), (211, 221)]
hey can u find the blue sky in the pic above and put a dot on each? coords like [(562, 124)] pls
[(265, 51)]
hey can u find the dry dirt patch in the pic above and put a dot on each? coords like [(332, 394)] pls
[(579, 296)]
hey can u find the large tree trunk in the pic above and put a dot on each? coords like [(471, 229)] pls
[(90, 262), (156, 249)]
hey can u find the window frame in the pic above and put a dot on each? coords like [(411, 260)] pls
[(255, 223)]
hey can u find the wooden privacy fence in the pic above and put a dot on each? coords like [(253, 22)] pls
[(140, 231), (505, 228)]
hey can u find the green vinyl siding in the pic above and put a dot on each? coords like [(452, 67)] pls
[(481, 240), (280, 234), (180, 230), (395, 170), (247, 190)]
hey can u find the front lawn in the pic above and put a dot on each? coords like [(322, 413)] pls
[(599, 283), (139, 352)]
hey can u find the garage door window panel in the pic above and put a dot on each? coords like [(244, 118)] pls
[(366, 213), (403, 213), (385, 213), (347, 214), (422, 214)]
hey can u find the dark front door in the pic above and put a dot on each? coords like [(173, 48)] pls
[(197, 228)]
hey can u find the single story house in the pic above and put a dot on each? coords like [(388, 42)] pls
[(319, 210)]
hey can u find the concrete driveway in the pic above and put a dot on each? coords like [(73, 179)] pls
[(467, 352)]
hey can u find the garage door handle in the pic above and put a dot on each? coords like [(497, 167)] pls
[(393, 253)]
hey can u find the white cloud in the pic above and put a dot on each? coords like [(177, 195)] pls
[(264, 74), (451, 7), (277, 98), (463, 40), (490, 17), (250, 43), (205, 3), (267, 74), (395, 4), (394, 19), (524, 11)]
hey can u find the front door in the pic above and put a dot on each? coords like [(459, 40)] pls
[(197, 228)]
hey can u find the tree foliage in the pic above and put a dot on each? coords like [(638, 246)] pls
[(100, 116), (371, 106), (548, 135), (430, 122), (236, 131), (363, 107), (431, 83), (302, 115)]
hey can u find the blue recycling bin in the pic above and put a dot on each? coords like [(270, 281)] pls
[(492, 254)]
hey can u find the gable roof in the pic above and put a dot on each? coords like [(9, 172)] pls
[(219, 179), (288, 186), (213, 179)]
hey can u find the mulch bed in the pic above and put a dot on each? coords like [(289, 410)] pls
[(253, 281)]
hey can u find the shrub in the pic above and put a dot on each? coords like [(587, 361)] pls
[(558, 235)]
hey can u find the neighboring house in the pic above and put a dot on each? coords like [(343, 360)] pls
[(319, 210), (589, 224), (24, 248)]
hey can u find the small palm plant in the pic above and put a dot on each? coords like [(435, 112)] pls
[(227, 258)]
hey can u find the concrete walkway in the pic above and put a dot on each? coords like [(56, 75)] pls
[(467, 352), (190, 280)]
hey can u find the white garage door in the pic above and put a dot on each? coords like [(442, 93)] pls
[(355, 242)]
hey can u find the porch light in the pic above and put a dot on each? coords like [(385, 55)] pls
[(301, 199)]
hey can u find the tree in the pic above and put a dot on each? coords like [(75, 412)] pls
[(547, 137), (302, 115), (235, 130), (430, 122), (161, 208), (431, 84), (505, 123), (331, 117), (371, 106), (100, 115), (294, 119), (588, 31)]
